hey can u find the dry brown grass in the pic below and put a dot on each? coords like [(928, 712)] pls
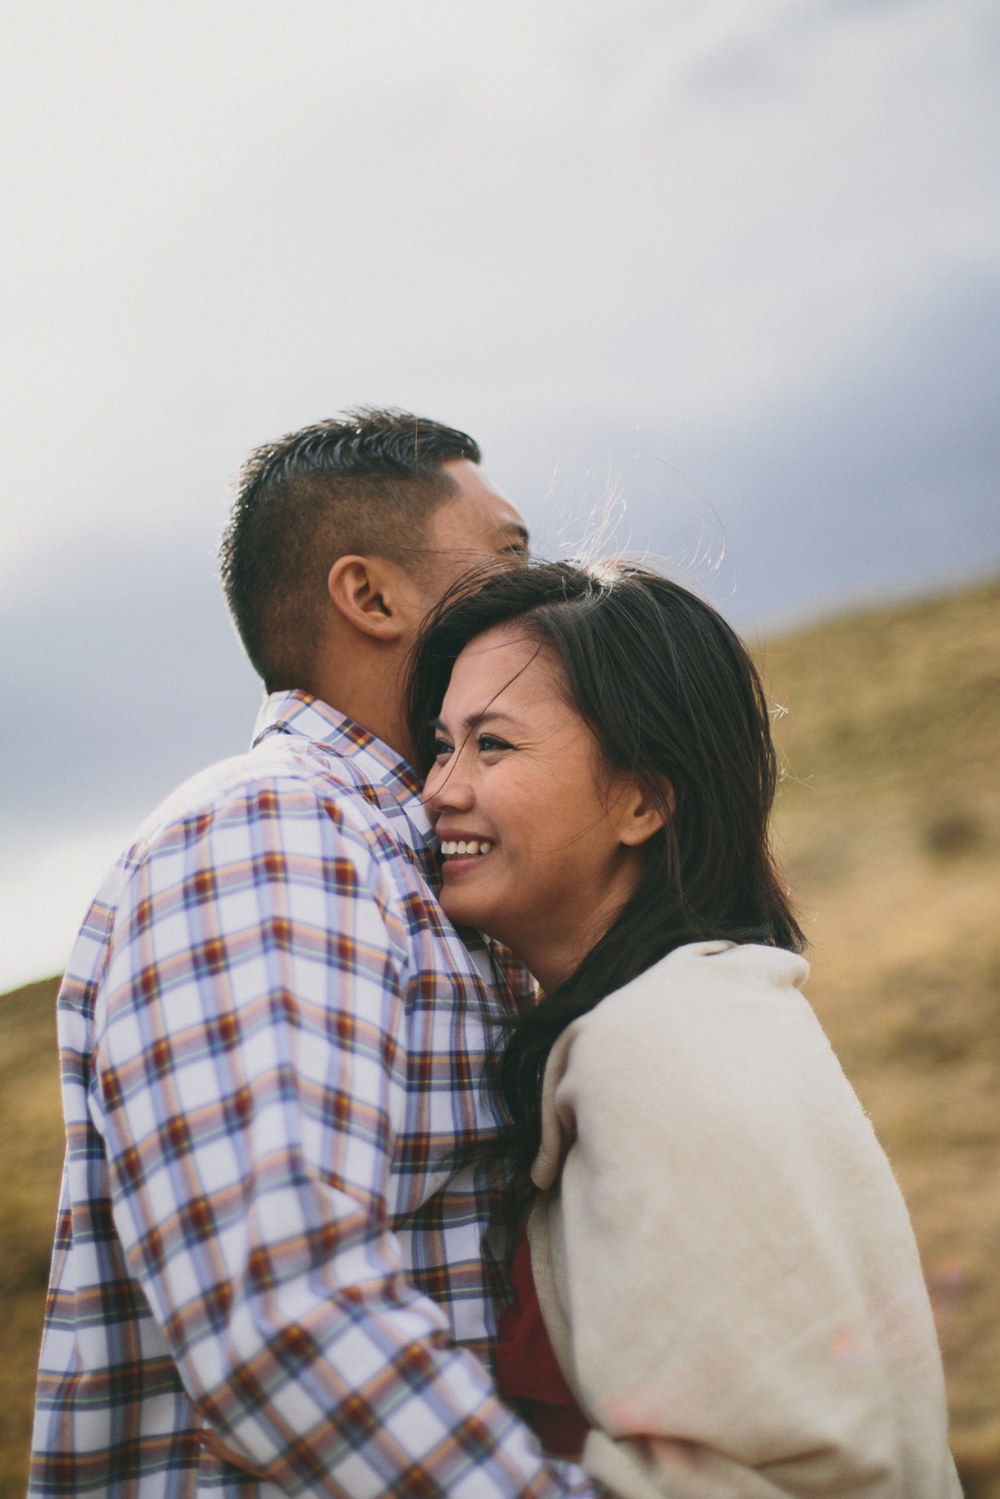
[(889, 823), (30, 1165)]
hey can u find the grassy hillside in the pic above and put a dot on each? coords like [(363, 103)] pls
[(889, 826), (889, 823), (30, 1166)]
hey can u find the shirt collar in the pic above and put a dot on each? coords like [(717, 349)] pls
[(302, 714)]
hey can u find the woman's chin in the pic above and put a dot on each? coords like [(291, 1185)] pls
[(483, 916), (464, 906), (461, 911)]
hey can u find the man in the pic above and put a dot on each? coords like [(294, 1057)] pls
[(269, 1273)]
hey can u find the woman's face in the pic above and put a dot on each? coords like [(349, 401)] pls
[(557, 843)]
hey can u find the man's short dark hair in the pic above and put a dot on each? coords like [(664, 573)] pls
[(365, 482)]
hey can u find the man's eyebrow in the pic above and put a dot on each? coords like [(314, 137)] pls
[(516, 529)]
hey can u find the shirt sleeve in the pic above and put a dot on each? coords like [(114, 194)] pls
[(249, 1083)]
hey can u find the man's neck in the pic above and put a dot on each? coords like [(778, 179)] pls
[(368, 689)]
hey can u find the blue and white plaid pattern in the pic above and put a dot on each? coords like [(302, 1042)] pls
[(269, 1274)]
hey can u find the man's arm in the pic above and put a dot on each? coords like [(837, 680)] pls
[(252, 1080)]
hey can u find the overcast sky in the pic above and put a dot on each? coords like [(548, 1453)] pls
[(733, 267)]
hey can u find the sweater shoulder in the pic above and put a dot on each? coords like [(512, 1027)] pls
[(700, 977), (716, 1021)]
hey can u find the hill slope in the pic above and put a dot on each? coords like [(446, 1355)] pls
[(889, 824), (30, 1167), (889, 827)]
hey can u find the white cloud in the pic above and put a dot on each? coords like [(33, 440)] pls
[(230, 219), (120, 125), (44, 894)]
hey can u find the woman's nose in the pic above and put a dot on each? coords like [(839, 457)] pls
[(448, 787)]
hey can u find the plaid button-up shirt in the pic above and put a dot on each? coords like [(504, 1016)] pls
[(269, 1273)]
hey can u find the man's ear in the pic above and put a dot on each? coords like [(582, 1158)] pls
[(366, 592), (645, 811)]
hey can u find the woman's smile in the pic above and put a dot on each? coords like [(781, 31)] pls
[(460, 848)]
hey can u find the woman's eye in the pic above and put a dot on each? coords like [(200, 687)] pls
[(488, 742), (441, 747)]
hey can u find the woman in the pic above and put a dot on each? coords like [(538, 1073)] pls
[(723, 1261)]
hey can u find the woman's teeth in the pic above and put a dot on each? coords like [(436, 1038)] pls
[(474, 847)]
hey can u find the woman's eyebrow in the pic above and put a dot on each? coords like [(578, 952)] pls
[(475, 720), (488, 715)]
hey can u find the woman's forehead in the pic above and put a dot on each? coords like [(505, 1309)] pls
[(504, 660)]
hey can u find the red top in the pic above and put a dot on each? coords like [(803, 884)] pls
[(528, 1373)]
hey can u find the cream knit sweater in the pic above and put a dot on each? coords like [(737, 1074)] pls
[(722, 1255)]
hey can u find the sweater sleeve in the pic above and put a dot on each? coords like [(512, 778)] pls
[(725, 1262)]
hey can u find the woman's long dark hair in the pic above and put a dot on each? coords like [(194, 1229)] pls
[(670, 694)]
